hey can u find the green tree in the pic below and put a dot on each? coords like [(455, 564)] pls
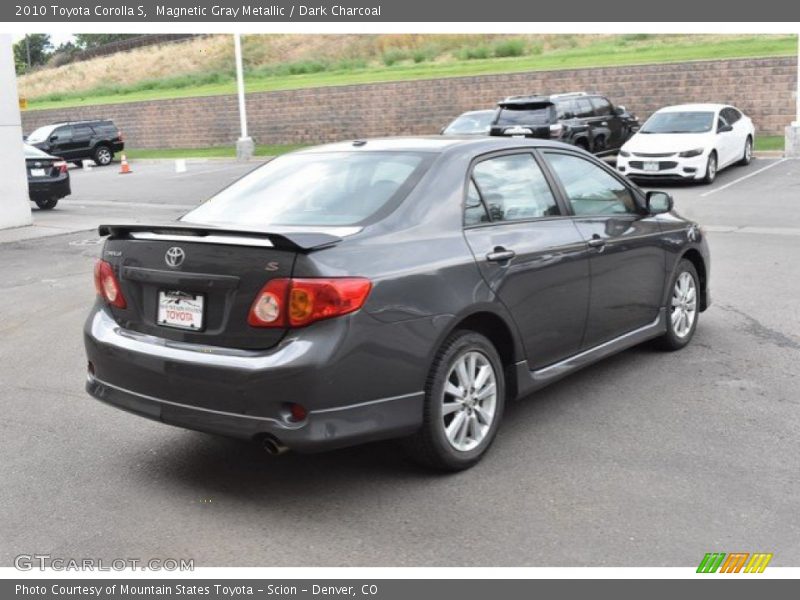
[(32, 50), (87, 41)]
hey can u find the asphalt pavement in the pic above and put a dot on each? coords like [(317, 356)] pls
[(645, 459)]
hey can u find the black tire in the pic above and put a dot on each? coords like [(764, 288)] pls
[(430, 446), (747, 153), (103, 155), (711, 172), (582, 143), (599, 144), (48, 204), (671, 340)]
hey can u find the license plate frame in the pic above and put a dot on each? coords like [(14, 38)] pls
[(180, 310), (651, 165), (38, 173)]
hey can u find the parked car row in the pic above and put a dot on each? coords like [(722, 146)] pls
[(50, 148), (690, 142)]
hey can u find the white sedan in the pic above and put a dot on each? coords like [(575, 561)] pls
[(688, 142)]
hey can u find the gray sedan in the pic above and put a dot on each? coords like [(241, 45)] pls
[(390, 288)]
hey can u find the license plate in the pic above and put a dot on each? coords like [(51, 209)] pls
[(37, 172), (179, 309), (651, 166)]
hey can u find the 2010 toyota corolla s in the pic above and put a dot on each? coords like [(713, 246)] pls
[(389, 288)]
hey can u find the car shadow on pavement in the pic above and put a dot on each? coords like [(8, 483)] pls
[(243, 471)]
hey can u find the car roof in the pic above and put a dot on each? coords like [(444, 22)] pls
[(697, 106), (82, 122), (435, 144)]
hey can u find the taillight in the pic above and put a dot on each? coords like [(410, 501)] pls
[(61, 165), (300, 302), (107, 286), (121, 136)]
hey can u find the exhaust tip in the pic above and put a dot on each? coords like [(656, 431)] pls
[(273, 445)]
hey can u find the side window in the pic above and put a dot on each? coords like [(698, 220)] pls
[(584, 108), (590, 189), (513, 187), (63, 133), (602, 107), (474, 209), (731, 115), (721, 122), (82, 131), (566, 109)]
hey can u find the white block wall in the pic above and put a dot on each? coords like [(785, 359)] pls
[(15, 208)]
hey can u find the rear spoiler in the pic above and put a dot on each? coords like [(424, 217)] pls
[(297, 241)]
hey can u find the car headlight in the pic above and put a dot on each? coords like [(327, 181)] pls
[(624, 153), (691, 153)]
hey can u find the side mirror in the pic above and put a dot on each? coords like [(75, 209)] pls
[(724, 129), (441, 131), (658, 202), (619, 110), (569, 115), (53, 138)]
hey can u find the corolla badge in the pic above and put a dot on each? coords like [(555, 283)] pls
[(175, 257)]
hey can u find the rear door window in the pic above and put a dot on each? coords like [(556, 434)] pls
[(82, 132), (584, 107), (514, 188)]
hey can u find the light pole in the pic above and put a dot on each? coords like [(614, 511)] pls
[(244, 145)]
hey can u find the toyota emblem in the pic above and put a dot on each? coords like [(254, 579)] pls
[(175, 257)]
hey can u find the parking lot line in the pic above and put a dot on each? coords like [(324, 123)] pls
[(748, 176)]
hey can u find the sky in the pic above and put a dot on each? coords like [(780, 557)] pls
[(55, 38)]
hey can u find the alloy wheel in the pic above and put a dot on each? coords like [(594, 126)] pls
[(469, 401), (684, 305), (712, 168), (103, 156)]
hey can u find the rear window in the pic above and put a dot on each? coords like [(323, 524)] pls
[(331, 188), (31, 152), (526, 114)]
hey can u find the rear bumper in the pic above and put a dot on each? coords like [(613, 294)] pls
[(245, 394), (322, 430), (47, 189)]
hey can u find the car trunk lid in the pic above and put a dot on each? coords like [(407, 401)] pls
[(196, 284)]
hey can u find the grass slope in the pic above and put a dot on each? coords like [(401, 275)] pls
[(614, 51)]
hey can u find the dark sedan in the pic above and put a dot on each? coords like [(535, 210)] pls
[(48, 178), (392, 288)]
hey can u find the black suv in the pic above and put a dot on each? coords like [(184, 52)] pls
[(589, 121), (77, 140)]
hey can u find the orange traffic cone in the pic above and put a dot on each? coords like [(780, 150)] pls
[(124, 168)]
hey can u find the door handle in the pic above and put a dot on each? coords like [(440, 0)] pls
[(500, 254), (596, 242)]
